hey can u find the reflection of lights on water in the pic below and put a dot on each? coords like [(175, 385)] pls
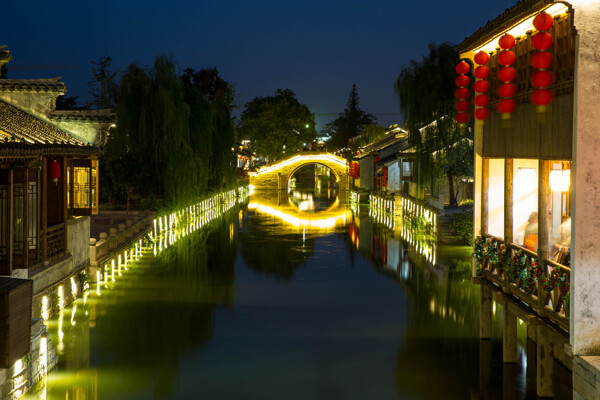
[(61, 297), (313, 222), (73, 311), (45, 310), (98, 280), (73, 287), (61, 334), (494, 307)]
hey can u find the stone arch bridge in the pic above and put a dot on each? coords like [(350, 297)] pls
[(277, 175)]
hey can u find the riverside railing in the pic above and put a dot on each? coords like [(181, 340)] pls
[(544, 286)]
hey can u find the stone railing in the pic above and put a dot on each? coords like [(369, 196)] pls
[(107, 243), (545, 286)]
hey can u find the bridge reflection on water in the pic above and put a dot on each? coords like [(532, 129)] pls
[(414, 339)]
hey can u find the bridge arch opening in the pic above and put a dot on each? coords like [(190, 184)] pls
[(313, 187)]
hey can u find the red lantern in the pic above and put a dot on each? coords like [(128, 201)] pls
[(541, 97), (507, 90), (482, 100), (482, 113), (55, 171), (542, 41), (462, 106), (462, 81), (541, 60), (481, 86), (481, 72), (462, 68), (506, 106), (462, 93), (541, 78), (506, 41), (507, 74), (506, 58), (543, 21), (482, 58), (461, 118)]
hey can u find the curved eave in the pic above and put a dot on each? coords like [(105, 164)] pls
[(503, 22), (26, 150)]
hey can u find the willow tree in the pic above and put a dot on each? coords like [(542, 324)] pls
[(426, 92)]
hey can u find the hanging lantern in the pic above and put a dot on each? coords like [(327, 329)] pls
[(542, 41), (462, 81), (541, 60), (507, 106), (462, 68), (541, 78), (482, 58), (506, 41), (541, 97), (506, 58), (507, 74), (462, 93), (482, 100), (543, 21), (481, 86), (481, 72), (507, 90), (482, 113), (462, 106), (55, 171), (461, 118)]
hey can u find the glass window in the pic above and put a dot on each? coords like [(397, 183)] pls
[(495, 197), (407, 169), (559, 204), (525, 203)]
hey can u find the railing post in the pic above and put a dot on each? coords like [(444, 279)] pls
[(543, 228)]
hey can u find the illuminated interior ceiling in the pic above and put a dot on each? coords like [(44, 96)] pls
[(324, 220)]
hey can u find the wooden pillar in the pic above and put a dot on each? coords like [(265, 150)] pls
[(10, 220), (485, 186), (508, 200), (543, 220), (545, 362), (64, 200), (485, 367), (509, 381), (44, 194), (25, 218), (485, 320), (509, 336)]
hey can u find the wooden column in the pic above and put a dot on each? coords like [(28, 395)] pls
[(64, 199), (543, 220), (485, 312), (485, 186), (10, 221), (508, 200), (44, 205), (509, 336), (25, 218), (545, 362)]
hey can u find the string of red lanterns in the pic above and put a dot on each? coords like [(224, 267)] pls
[(542, 78), (481, 86), (462, 93), (506, 75)]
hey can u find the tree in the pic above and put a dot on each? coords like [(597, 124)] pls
[(68, 103), (103, 84), (426, 93), (350, 124), (371, 133), (277, 125)]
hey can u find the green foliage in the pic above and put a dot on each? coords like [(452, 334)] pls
[(371, 133), (462, 225), (350, 124), (426, 93), (103, 84), (68, 103), (174, 135), (277, 125)]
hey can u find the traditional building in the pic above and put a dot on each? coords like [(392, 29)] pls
[(536, 209), (48, 183)]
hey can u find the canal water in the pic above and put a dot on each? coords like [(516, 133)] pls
[(268, 302)]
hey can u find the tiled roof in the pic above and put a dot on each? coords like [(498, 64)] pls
[(504, 21), (21, 132), (84, 115), (32, 85)]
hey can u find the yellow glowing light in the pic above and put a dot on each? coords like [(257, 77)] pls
[(303, 158), (98, 280), (119, 258), (309, 222), (45, 311), (522, 27), (73, 287), (61, 298), (61, 334), (73, 311), (560, 180)]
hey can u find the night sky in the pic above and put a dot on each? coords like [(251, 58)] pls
[(316, 48)]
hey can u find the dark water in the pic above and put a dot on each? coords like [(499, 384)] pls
[(268, 304)]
